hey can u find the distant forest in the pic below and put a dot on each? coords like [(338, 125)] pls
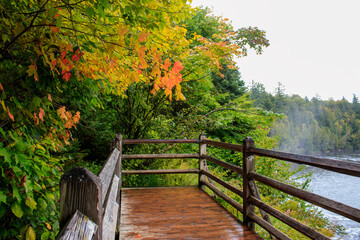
[(310, 125)]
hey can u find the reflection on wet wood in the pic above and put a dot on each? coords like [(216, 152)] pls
[(177, 213)]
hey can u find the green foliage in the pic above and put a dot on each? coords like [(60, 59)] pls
[(29, 186), (311, 125)]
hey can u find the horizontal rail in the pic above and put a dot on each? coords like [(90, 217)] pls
[(304, 229), (344, 167), (230, 146), (227, 165), (268, 227), (334, 206), (159, 156), (225, 197), (163, 171), (223, 183), (157, 141)]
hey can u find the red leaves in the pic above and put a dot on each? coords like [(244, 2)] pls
[(63, 54), (1, 87), (76, 56), (55, 29), (23, 180), (9, 173), (65, 63), (67, 76), (49, 97)]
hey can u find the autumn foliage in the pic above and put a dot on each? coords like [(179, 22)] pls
[(52, 52), (61, 59)]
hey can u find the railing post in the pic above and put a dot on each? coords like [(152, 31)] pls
[(81, 190), (249, 166), (118, 145), (202, 161)]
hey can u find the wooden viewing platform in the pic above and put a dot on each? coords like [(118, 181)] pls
[(98, 207), (177, 213)]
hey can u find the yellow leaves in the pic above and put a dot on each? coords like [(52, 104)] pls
[(30, 234), (30, 202)]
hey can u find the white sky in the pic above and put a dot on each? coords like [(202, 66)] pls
[(314, 44)]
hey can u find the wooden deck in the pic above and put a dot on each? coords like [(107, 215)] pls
[(177, 213)]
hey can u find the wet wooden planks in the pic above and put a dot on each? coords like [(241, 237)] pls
[(176, 213)]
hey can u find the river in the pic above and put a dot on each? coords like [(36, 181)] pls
[(339, 187)]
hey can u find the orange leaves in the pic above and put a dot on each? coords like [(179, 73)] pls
[(76, 118), (49, 97), (177, 67), (61, 112), (36, 119), (143, 36), (170, 79), (67, 117), (41, 114), (10, 116), (167, 64), (48, 226), (122, 30)]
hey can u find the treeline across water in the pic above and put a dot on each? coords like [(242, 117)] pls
[(310, 125)]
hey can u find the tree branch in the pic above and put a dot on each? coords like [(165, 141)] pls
[(25, 30)]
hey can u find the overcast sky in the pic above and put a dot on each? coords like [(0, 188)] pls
[(314, 44)]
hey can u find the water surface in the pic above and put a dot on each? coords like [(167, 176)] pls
[(341, 188)]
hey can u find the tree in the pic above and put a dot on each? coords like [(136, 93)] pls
[(58, 59)]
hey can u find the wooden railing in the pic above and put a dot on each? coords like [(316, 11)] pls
[(78, 194), (90, 204)]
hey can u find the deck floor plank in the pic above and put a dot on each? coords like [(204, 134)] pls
[(177, 213)]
